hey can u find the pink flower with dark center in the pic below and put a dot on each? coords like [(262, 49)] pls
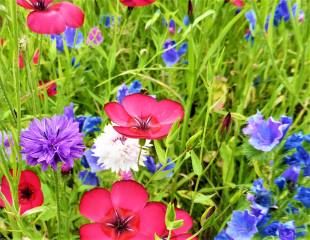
[(137, 3), (47, 17), (141, 116), (123, 213)]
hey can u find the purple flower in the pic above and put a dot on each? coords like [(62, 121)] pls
[(6, 141), (172, 55), (242, 225), (94, 37), (71, 37), (303, 196), (89, 178), (52, 140), (124, 90), (290, 175), (266, 134), (287, 231), (172, 26), (69, 111)]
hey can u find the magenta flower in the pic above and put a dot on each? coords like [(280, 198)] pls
[(94, 37), (52, 140), (123, 213), (141, 116), (266, 134)]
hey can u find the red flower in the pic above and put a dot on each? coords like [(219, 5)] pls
[(238, 3), (141, 116), (137, 3), (52, 18), (29, 191), (182, 232), (36, 56), (124, 213), (21, 61), (50, 86)]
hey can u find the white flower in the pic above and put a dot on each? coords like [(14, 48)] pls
[(118, 153)]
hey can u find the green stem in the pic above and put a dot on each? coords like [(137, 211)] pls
[(57, 202)]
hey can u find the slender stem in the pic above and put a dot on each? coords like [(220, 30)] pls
[(57, 202)]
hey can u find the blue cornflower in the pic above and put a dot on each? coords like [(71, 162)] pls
[(242, 225), (303, 196), (294, 141), (124, 90), (90, 161), (290, 175), (171, 54), (266, 134), (72, 37), (88, 178)]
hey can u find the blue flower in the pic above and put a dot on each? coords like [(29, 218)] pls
[(303, 196), (89, 124), (88, 178), (90, 161), (124, 90), (290, 175), (266, 134), (287, 231), (150, 164), (172, 26), (171, 54), (242, 225), (71, 37), (109, 21), (153, 167), (223, 236), (186, 20), (294, 141), (300, 158), (271, 229), (251, 18)]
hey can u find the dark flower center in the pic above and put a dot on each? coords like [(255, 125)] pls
[(26, 193), (142, 124), (39, 5), (120, 224)]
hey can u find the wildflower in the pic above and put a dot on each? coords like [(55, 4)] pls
[(94, 37), (29, 191), (88, 124), (137, 3), (90, 161), (123, 91), (295, 141), (6, 142), (122, 213), (49, 86), (109, 21), (88, 178), (52, 140), (121, 154), (171, 55), (141, 116), (21, 61), (126, 175), (251, 18), (36, 56), (47, 17), (286, 231), (266, 134), (242, 225), (226, 123), (222, 236), (271, 229), (303, 196), (153, 167), (71, 37), (300, 158), (238, 3), (289, 176), (172, 26)]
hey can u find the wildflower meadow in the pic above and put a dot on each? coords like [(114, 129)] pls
[(154, 119)]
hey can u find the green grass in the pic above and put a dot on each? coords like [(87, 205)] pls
[(221, 69)]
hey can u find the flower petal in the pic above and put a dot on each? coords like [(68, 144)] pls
[(5, 189), (168, 111), (95, 204), (30, 178), (152, 219), (137, 3), (139, 105), (187, 224), (46, 22), (117, 113), (24, 4), (93, 231), (184, 237), (72, 14), (129, 195)]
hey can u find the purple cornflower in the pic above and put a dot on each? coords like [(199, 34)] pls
[(171, 54), (242, 225), (94, 37), (52, 140), (303, 196), (71, 37), (266, 134)]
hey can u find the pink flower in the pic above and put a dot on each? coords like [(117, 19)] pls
[(36, 56), (141, 116), (47, 17), (238, 3), (137, 3), (94, 37), (124, 213)]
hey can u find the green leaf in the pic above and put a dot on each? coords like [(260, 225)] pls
[(150, 22), (190, 142), (228, 169), (173, 133), (196, 163), (160, 152)]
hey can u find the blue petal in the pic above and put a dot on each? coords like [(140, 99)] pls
[(88, 178)]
